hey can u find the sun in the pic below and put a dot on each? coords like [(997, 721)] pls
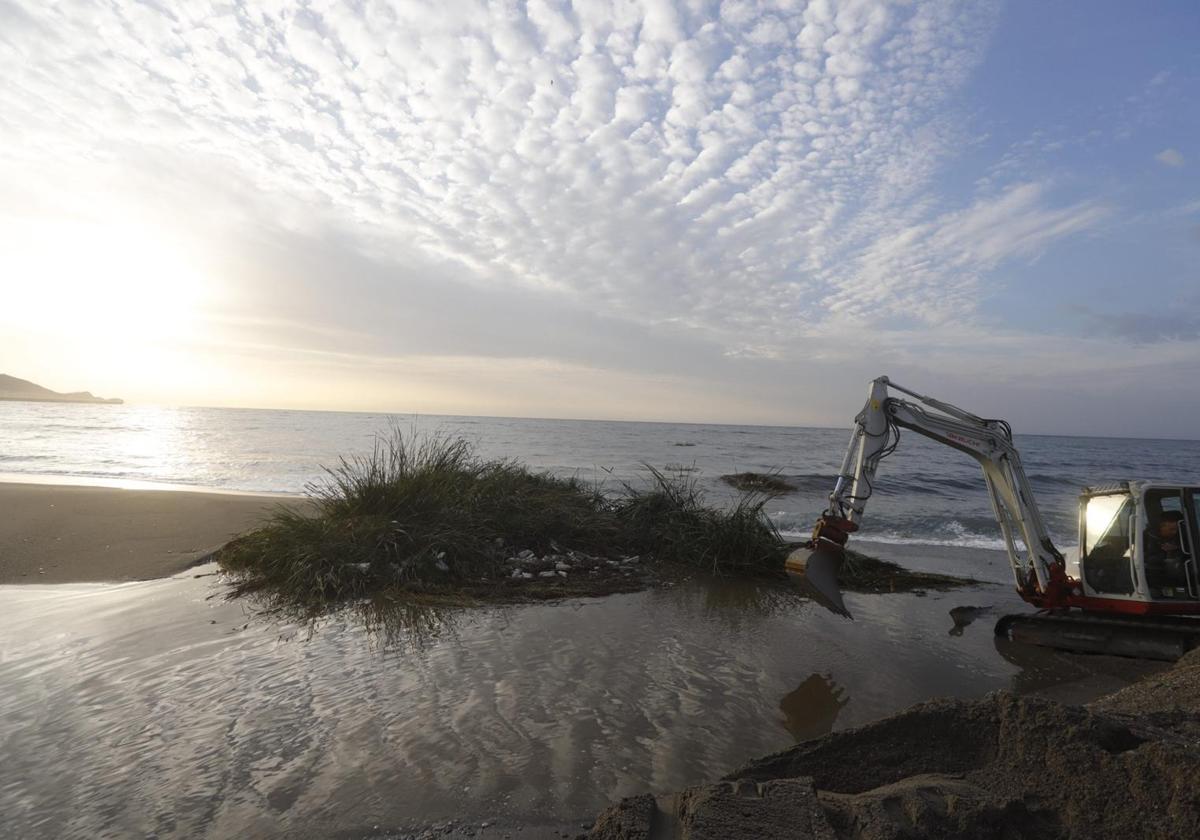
[(122, 303), (92, 277)]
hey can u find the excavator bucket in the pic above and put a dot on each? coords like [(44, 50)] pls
[(816, 573)]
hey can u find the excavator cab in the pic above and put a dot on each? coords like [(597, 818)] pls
[(1137, 546)]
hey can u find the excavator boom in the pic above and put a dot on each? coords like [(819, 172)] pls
[(1038, 567)]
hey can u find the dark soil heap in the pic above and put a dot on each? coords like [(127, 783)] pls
[(760, 483), (1007, 767)]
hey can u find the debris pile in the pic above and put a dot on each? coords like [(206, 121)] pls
[(527, 565)]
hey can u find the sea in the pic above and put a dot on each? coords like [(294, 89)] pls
[(925, 494), (168, 708)]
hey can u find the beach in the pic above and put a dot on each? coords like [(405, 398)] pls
[(139, 684), (685, 683), (51, 533)]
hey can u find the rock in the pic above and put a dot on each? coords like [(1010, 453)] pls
[(562, 567), (629, 819), (527, 554), (527, 575), (517, 573), (560, 573), (547, 574)]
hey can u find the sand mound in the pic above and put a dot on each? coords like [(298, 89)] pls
[(1004, 767)]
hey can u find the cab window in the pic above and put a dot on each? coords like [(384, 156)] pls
[(1106, 544), (1166, 547)]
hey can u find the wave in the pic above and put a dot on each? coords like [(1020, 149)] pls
[(890, 538), (1057, 480), (950, 533)]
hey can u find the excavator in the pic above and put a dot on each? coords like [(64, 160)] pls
[(1130, 589)]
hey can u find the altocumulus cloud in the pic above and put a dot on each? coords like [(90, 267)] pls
[(746, 172)]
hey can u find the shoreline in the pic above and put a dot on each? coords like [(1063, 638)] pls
[(74, 533), (115, 483), (85, 529)]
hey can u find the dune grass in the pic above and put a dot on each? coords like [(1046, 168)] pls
[(426, 513)]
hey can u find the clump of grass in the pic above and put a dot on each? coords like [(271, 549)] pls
[(427, 514), (670, 521)]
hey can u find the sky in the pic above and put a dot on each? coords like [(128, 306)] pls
[(736, 211)]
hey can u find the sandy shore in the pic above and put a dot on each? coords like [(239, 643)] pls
[(61, 533), (1002, 766)]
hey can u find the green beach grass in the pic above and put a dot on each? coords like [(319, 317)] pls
[(428, 516)]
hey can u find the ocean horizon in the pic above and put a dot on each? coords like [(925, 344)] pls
[(926, 495)]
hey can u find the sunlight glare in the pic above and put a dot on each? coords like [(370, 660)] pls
[(118, 278)]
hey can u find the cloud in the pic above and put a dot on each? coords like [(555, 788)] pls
[(650, 189), (1149, 327), (656, 162), (1170, 157), (931, 270)]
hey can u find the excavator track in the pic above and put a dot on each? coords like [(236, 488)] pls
[(1165, 638)]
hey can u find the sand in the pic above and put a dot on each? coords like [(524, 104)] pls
[(61, 533), (1003, 766)]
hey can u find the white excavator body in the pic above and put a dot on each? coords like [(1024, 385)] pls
[(1137, 539)]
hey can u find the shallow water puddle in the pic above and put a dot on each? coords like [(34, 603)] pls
[(156, 708)]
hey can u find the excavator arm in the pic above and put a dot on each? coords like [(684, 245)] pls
[(1039, 569)]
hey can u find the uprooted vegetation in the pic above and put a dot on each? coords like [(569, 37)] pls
[(429, 516), (861, 573)]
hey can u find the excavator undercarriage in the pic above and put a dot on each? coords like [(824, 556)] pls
[(1165, 638)]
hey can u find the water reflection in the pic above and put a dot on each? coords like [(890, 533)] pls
[(160, 708), (395, 623), (811, 709), (1070, 677), (736, 602), (964, 616)]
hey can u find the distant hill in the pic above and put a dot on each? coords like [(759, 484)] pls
[(12, 388)]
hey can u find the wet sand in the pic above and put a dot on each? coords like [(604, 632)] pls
[(64, 533)]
